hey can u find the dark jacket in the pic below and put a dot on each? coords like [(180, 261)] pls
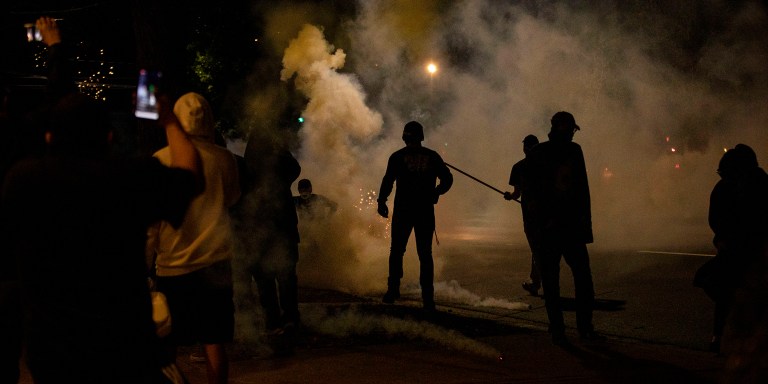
[(559, 200), (416, 170), (268, 201)]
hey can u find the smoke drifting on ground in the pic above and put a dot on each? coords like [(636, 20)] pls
[(350, 323), (659, 91)]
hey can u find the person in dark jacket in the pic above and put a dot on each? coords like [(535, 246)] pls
[(415, 169), (75, 223), (270, 224), (561, 223), (738, 214)]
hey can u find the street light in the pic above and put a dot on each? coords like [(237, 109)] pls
[(431, 68)]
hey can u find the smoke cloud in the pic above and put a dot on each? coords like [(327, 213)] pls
[(353, 322), (658, 90)]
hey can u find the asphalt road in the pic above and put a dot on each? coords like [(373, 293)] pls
[(645, 295)]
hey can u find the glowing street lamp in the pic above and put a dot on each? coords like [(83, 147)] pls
[(431, 68)]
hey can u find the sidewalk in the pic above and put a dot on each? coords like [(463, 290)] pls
[(350, 339)]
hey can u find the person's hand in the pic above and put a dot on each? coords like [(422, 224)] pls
[(383, 210), (507, 196), (165, 111), (49, 30)]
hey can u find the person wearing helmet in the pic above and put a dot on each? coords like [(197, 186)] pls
[(561, 223), (415, 169), (516, 181)]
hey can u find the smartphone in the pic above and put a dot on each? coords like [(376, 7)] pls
[(146, 94)]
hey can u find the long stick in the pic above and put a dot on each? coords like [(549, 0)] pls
[(476, 179)]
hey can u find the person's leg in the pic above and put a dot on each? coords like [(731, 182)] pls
[(288, 286), (577, 258), (216, 325), (401, 230), (217, 363), (535, 275), (10, 332), (548, 260), (534, 282), (267, 289), (723, 305), (423, 230)]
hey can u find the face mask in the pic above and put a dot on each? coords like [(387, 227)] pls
[(305, 195)]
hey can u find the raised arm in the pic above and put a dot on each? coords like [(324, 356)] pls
[(183, 153)]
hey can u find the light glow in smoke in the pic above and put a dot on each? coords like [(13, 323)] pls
[(431, 68)]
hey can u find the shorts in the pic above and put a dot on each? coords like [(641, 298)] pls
[(201, 305)]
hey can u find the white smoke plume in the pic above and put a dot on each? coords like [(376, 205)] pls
[(452, 291)]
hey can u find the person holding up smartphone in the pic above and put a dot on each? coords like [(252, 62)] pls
[(23, 132), (74, 222)]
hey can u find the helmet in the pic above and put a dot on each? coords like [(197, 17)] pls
[(413, 131), (564, 118), (531, 140)]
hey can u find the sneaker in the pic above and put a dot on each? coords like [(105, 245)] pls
[(532, 288), (390, 297), (591, 336), (197, 357)]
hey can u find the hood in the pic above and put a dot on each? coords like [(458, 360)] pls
[(195, 115)]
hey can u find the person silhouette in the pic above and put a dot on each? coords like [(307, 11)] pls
[(312, 205), (738, 218), (561, 223), (415, 169), (518, 184)]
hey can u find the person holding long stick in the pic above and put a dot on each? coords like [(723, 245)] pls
[(517, 182), (415, 169)]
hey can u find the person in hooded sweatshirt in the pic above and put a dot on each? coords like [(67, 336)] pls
[(193, 262)]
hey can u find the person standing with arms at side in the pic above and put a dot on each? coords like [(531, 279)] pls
[(517, 182), (561, 223), (193, 262), (270, 233), (415, 169), (738, 217)]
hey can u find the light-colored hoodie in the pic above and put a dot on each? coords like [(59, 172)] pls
[(205, 236)]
